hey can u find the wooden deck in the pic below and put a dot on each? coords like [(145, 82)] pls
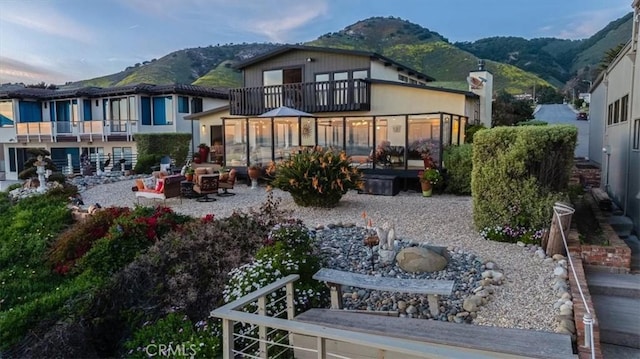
[(497, 342)]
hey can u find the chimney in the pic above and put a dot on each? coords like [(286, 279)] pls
[(481, 83)]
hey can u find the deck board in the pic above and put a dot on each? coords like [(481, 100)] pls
[(525, 343)]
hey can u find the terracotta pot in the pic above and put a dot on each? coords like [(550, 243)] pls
[(253, 173), (189, 177), (426, 188)]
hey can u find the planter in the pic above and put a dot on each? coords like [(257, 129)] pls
[(426, 188), (253, 173), (204, 154)]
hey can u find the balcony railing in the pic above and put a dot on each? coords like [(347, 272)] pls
[(82, 130), (312, 97)]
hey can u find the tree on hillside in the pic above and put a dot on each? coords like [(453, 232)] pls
[(608, 57), (43, 85), (508, 111), (548, 94)]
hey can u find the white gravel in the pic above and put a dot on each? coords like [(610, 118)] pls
[(524, 300)]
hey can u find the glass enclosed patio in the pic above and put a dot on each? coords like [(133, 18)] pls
[(393, 142)]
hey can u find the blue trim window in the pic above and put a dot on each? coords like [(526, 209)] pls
[(183, 104), (145, 104), (163, 110), (30, 111), (86, 106)]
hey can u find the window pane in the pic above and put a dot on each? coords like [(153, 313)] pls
[(183, 104), (341, 86), (273, 77), (132, 108), (331, 133), (424, 139), (235, 140), (6, 114), (359, 138), (286, 137), (260, 141), (362, 74), (390, 148), (636, 134), (322, 89)]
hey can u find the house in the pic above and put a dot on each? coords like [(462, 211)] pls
[(381, 112), (92, 120), (615, 126)]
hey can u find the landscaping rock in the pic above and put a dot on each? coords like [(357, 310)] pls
[(420, 259)]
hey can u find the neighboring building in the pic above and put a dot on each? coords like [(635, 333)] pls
[(98, 121), (354, 101), (615, 126)]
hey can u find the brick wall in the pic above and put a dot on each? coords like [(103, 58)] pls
[(579, 308), (586, 175), (616, 257)]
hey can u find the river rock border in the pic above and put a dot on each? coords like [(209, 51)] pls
[(343, 248), (560, 286)]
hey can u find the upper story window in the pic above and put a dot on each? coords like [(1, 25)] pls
[(624, 108), (183, 104), (610, 114), (123, 108), (282, 76), (196, 105), (636, 134), (616, 111), (6, 114), (29, 111), (163, 110), (403, 78)]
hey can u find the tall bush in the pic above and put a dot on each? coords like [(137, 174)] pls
[(175, 145), (458, 162), (519, 172)]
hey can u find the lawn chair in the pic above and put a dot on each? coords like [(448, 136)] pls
[(227, 183)]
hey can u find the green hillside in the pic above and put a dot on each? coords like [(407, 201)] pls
[(222, 76), (516, 63)]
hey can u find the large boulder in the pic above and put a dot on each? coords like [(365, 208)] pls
[(421, 259)]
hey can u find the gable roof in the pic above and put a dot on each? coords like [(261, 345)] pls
[(93, 92), (372, 55)]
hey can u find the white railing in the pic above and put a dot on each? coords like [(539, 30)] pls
[(290, 331), (560, 210)]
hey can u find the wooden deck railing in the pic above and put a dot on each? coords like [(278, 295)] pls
[(299, 336), (311, 97)]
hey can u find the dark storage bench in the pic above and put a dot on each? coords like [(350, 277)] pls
[(386, 185)]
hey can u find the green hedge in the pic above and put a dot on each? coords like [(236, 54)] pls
[(457, 161), (519, 172), (175, 145)]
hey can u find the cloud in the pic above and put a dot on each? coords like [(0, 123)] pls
[(278, 25), (46, 20), (585, 24), (12, 70)]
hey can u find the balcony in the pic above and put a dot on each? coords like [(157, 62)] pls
[(312, 97), (115, 130)]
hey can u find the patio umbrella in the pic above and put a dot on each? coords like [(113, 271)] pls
[(285, 111)]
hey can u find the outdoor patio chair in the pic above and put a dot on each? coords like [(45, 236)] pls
[(226, 183)]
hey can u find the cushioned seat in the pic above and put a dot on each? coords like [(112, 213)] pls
[(226, 183)]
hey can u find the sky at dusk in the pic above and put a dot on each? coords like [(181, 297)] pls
[(56, 41)]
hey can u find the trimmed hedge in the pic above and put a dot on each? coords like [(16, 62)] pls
[(458, 161), (175, 145), (519, 172)]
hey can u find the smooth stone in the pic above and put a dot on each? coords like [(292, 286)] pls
[(472, 303), (420, 259)]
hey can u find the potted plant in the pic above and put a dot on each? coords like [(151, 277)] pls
[(189, 174), (253, 171), (428, 178), (203, 150)]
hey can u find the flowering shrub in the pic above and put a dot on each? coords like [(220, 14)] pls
[(178, 334), (316, 177), (512, 234), (75, 242), (128, 236)]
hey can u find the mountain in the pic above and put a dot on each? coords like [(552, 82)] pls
[(555, 60), (516, 63)]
